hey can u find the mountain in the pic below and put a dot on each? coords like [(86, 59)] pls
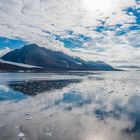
[(32, 54)]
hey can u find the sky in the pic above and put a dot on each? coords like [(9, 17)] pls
[(105, 30)]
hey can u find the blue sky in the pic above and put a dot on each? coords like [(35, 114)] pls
[(11, 43), (106, 30)]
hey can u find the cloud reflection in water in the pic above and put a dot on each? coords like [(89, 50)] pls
[(101, 107)]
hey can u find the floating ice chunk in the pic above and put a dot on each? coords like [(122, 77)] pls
[(50, 134), (27, 113), (21, 135), (29, 118)]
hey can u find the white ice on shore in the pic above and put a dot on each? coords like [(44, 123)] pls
[(18, 64)]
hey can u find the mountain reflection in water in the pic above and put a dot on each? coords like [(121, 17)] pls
[(99, 106), (36, 87)]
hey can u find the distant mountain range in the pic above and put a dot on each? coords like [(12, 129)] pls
[(46, 59), (129, 67)]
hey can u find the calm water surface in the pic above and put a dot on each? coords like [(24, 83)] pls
[(70, 106)]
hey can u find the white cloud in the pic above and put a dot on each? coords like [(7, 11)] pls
[(4, 51), (28, 19)]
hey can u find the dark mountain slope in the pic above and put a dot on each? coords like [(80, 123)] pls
[(51, 60)]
